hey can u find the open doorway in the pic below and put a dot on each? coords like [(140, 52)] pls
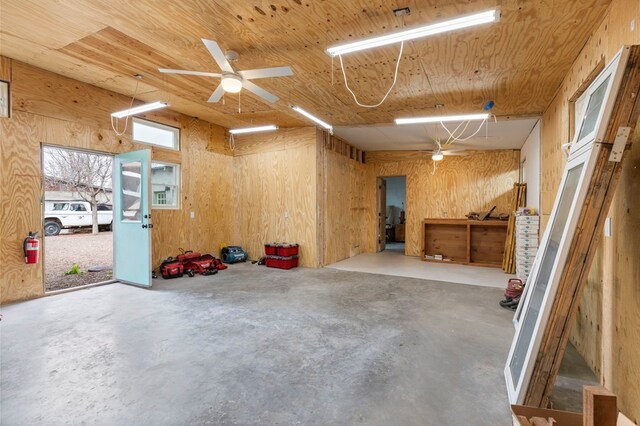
[(78, 218), (392, 192)]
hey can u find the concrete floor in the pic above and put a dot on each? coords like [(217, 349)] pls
[(253, 345), (392, 261)]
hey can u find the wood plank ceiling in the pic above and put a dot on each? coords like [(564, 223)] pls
[(518, 62)]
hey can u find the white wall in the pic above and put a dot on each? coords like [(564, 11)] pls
[(530, 154)]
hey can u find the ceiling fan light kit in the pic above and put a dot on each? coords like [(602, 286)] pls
[(139, 109), (313, 118), (442, 118), (419, 32), (253, 129), (231, 83)]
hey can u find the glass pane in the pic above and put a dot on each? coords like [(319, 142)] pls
[(155, 134), (593, 109), (542, 279), (131, 191), (164, 184)]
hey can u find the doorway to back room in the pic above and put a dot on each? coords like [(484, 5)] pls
[(78, 218), (395, 213)]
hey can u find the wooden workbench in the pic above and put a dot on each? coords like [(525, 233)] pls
[(466, 242)]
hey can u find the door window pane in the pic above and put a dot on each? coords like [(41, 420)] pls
[(131, 191)]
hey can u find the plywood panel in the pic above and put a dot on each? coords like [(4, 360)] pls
[(62, 115), (460, 184), (345, 211), (275, 192), (20, 187), (519, 61)]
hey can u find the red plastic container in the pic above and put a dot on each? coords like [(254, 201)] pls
[(282, 262), (270, 249), (286, 250)]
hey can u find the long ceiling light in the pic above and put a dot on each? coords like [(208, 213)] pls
[(442, 118), (253, 129), (139, 109), (424, 31), (313, 118)]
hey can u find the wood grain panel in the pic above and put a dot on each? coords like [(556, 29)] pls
[(345, 208), (518, 62), (605, 327), (275, 192), (21, 189), (62, 116)]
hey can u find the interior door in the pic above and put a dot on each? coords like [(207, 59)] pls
[(132, 218), (382, 213)]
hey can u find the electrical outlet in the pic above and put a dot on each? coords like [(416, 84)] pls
[(445, 214), (192, 215), (632, 25), (286, 214)]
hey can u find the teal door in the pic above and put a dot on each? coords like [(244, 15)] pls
[(132, 218)]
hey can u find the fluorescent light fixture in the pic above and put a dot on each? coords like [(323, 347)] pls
[(313, 118), (253, 129), (424, 31), (442, 118), (437, 156), (231, 83), (140, 109)]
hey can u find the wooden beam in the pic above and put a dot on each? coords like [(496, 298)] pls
[(599, 407)]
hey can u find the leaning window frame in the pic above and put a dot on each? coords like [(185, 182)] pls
[(175, 130), (583, 151), (178, 185)]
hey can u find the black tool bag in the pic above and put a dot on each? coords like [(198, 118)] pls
[(171, 268)]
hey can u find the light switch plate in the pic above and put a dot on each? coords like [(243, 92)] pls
[(607, 227)]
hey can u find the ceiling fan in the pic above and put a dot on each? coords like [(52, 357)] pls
[(233, 81)]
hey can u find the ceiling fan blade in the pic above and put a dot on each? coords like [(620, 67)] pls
[(186, 72), (259, 91), (218, 55), (217, 94), (266, 73)]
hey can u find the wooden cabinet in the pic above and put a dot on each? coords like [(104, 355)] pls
[(468, 242), (400, 232)]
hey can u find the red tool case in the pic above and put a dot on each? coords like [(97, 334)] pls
[(188, 255), (281, 249), (286, 250), (200, 264), (281, 262), (171, 268)]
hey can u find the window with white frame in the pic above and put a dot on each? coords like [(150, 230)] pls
[(165, 185), (157, 134)]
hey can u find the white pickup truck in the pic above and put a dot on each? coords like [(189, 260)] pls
[(75, 214)]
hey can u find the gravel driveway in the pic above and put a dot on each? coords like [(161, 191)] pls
[(87, 250)]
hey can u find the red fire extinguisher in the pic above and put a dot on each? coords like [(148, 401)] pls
[(31, 247)]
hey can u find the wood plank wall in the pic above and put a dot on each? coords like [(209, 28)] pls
[(51, 109), (607, 331), (275, 191), (345, 206), (460, 184)]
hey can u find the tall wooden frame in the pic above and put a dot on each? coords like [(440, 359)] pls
[(560, 271)]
